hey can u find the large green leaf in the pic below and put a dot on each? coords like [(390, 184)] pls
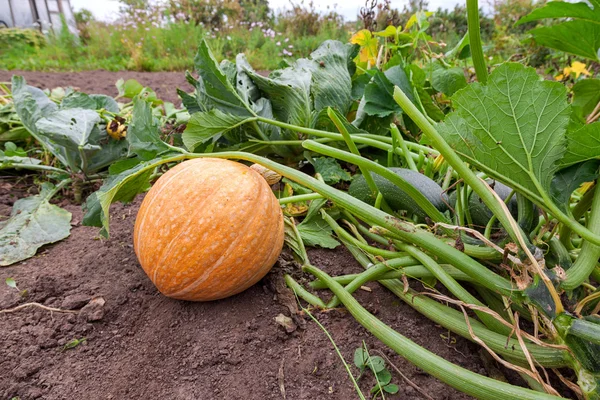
[(105, 102), (332, 67), (581, 38), (562, 9), (247, 90), (143, 133), (78, 100), (127, 179), (378, 96), (582, 144), (580, 35), (289, 92), (71, 129), (33, 223), (32, 104), (204, 126), (216, 88), (513, 128)]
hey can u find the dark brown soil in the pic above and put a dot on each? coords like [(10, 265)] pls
[(103, 82), (142, 345)]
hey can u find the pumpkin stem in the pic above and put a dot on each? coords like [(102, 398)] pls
[(271, 177)]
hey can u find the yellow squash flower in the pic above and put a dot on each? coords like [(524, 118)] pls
[(368, 46)]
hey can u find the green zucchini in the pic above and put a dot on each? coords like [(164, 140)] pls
[(481, 215), (395, 197)]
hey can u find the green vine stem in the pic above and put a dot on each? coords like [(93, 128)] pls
[(454, 321), (303, 293), (397, 136), (369, 165), (475, 41), (380, 203), (300, 198), (453, 286), (489, 197), (590, 253), (466, 381), (410, 271), (578, 211)]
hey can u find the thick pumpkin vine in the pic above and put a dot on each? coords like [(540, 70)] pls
[(516, 162)]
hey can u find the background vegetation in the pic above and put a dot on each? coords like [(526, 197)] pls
[(148, 37)]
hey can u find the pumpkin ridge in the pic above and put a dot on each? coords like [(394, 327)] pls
[(166, 250), (201, 279), (265, 262), (147, 207), (276, 249)]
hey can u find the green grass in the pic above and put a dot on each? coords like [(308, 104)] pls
[(147, 47)]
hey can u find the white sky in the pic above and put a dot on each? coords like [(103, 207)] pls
[(107, 9)]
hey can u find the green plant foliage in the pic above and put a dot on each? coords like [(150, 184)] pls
[(580, 35), (514, 128), (33, 223), (330, 170), (21, 37)]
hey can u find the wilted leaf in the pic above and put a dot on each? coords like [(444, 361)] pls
[(286, 322), (368, 46), (33, 223)]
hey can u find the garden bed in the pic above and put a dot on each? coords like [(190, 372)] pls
[(140, 344)]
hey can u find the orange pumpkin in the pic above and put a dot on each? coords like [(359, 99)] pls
[(208, 229)]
